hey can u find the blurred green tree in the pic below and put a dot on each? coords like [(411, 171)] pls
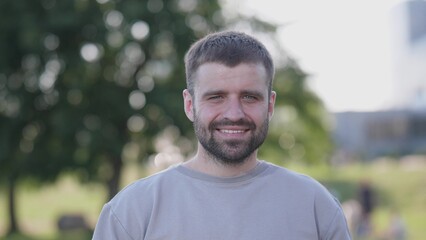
[(81, 79), (87, 84), (300, 129)]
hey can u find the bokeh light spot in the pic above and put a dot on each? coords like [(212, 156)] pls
[(91, 52), (136, 123), (137, 100), (140, 30)]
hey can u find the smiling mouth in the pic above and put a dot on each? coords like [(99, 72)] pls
[(232, 128), (232, 131)]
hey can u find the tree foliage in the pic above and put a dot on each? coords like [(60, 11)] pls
[(81, 79), (83, 84), (300, 128)]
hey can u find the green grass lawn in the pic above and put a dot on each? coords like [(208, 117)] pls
[(38, 209), (401, 188)]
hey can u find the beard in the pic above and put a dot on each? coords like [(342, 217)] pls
[(230, 152)]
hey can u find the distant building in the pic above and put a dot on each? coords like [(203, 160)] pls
[(369, 135)]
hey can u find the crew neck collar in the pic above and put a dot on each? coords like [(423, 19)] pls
[(258, 169)]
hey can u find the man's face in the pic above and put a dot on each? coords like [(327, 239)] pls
[(230, 109)]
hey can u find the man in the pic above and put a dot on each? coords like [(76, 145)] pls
[(224, 191)]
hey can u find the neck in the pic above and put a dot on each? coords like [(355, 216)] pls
[(208, 165)]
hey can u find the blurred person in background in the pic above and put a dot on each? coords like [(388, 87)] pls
[(225, 191), (366, 198)]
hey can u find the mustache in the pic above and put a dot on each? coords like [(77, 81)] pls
[(227, 122)]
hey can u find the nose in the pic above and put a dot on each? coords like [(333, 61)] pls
[(234, 110)]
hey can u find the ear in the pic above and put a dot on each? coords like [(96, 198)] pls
[(271, 104), (188, 104)]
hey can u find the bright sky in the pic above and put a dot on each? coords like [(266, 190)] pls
[(344, 44)]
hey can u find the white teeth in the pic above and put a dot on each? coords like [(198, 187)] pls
[(232, 131)]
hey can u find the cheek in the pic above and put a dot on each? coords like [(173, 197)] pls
[(207, 111), (258, 115), (205, 117), (204, 113)]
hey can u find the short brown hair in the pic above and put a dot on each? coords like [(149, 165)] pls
[(229, 48)]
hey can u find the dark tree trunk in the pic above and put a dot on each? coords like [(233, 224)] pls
[(13, 222), (114, 182)]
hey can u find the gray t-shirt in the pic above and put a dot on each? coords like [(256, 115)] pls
[(269, 202)]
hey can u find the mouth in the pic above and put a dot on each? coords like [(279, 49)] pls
[(232, 129), (233, 133), (229, 131)]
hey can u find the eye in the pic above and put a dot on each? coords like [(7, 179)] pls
[(215, 98), (250, 98)]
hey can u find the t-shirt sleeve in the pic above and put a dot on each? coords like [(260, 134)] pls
[(109, 226), (331, 221), (338, 229)]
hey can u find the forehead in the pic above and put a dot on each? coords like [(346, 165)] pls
[(210, 75)]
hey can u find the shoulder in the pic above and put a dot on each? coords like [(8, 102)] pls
[(294, 178), (300, 183), (128, 213), (326, 207), (145, 188)]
